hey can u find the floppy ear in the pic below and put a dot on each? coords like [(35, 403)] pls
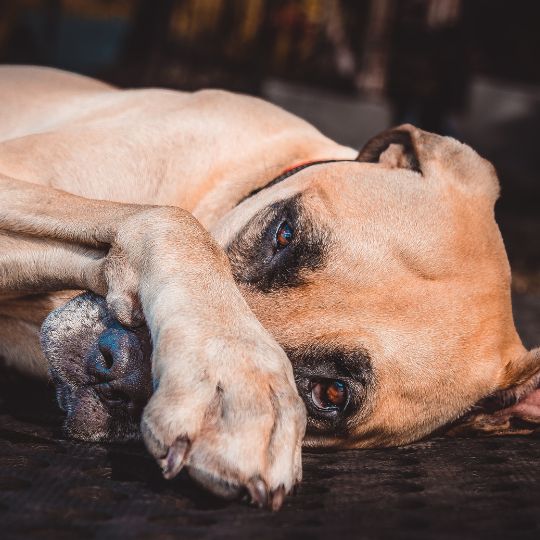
[(394, 147), (442, 159), (514, 410)]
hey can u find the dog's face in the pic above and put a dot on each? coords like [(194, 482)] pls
[(386, 282), (100, 369)]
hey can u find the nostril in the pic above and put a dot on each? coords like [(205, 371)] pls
[(107, 355), (114, 348), (119, 368)]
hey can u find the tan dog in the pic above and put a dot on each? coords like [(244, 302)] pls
[(382, 275)]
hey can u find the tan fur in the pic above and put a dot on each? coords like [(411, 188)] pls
[(417, 274)]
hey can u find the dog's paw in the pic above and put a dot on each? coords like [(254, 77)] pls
[(236, 426)]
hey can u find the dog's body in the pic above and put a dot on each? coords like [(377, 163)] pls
[(383, 277), (200, 152)]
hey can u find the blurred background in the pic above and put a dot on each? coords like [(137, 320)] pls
[(467, 68)]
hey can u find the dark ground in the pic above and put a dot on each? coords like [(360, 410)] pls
[(51, 488)]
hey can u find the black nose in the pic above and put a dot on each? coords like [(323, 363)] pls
[(116, 347), (121, 367)]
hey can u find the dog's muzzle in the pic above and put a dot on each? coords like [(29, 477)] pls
[(101, 369)]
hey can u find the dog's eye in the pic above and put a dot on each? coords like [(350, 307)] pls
[(284, 235), (329, 394)]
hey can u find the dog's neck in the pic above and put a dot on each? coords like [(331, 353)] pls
[(255, 171), (212, 150)]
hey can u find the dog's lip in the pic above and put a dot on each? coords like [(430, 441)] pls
[(63, 393), (107, 392), (89, 418)]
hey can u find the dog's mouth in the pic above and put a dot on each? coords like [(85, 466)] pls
[(101, 369)]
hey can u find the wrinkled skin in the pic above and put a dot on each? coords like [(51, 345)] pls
[(379, 278), (414, 316)]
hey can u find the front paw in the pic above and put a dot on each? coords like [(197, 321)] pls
[(237, 430)]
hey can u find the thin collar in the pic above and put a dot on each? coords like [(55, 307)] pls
[(289, 172)]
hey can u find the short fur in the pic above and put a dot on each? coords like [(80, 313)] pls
[(396, 280)]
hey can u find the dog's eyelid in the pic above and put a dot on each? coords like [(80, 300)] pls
[(254, 259), (269, 215), (351, 366)]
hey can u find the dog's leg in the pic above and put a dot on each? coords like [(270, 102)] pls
[(225, 402), (21, 340)]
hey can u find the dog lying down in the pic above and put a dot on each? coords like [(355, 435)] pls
[(251, 284), (111, 379)]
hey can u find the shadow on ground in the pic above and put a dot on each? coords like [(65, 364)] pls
[(54, 489)]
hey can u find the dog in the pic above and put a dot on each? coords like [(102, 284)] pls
[(247, 283)]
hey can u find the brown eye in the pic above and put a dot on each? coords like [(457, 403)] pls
[(329, 394), (284, 235)]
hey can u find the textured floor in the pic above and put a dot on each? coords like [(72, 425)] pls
[(53, 489)]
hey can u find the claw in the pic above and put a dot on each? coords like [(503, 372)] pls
[(258, 491), (173, 462), (278, 498)]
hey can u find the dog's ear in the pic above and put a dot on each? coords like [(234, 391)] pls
[(513, 410), (436, 158), (394, 148)]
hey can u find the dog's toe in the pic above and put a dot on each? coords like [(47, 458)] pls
[(258, 491), (277, 498), (175, 459)]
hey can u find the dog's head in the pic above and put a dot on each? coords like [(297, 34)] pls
[(385, 280), (387, 283)]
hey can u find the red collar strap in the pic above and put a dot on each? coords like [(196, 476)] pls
[(289, 172)]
